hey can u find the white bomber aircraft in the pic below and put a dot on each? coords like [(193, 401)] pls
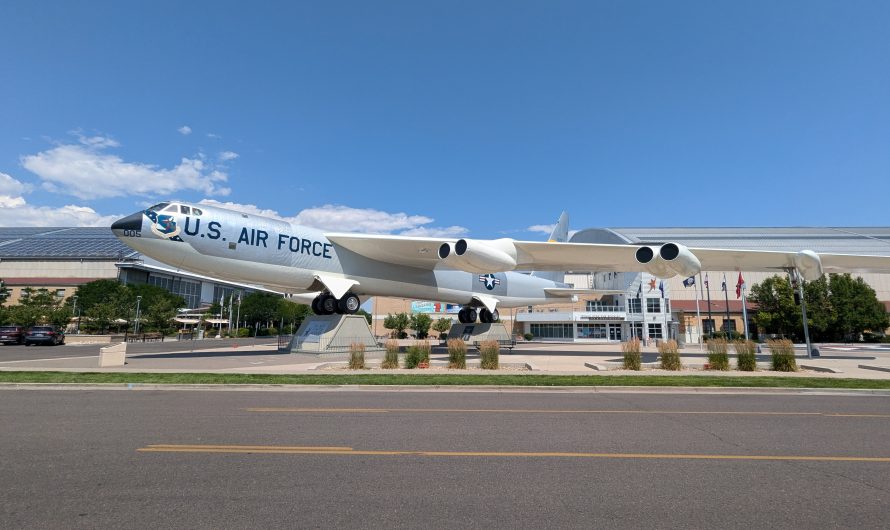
[(340, 269)]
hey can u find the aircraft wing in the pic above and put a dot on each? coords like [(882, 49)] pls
[(498, 255)]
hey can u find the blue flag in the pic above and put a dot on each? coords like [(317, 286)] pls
[(689, 282), (661, 288)]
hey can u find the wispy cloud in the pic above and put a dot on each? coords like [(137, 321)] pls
[(546, 229), (339, 218), (86, 171), (214, 136), (225, 156), (185, 130), (15, 210)]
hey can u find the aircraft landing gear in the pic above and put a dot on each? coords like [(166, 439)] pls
[(487, 317), (467, 315), (326, 304)]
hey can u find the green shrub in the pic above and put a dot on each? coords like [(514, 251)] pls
[(632, 358), (670, 355), (457, 354), (528, 336), (746, 350), (391, 358), (782, 353), (356, 356), (718, 359), (489, 351), (243, 332), (417, 353)]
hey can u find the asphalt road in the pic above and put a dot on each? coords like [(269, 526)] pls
[(349, 459), (10, 352)]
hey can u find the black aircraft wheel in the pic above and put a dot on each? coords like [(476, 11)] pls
[(349, 304), (462, 316), (495, 316), (485, 316), (315, 309), (327, 304), (471, 315)]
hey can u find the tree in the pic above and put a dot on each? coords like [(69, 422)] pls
[(292, 314), (857, 307), (97, 292), (776, 310), (101, 315), (442, 325), (260, 307), (4, 292), (420, 323), (365, 314), (159, 315), (398, 323)]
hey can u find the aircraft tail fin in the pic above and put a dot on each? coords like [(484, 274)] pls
[(559, 234)]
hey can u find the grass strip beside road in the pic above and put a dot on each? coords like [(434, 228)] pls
[(442, 380)]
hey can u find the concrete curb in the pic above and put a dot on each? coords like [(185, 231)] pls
[(446, 388), (875, 368), (823, 369)]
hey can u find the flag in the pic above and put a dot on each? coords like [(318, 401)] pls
[(661, 288), (739, 286), (707, 285), (723, 287), (222, 304), (689, 282), (640, 290)]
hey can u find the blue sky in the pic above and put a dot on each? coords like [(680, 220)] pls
[(477, 118)]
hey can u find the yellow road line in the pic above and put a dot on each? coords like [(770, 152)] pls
[(544, 411), (277, 449)]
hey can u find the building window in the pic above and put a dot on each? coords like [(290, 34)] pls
[(667, 306), (552, 331), (708, 325), (655, 331), (188, 289), (592, 331), (653, 305), (636, 329), (634, 306), (728, 325), (60, 293)]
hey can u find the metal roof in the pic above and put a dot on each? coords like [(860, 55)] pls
[(62, 243)]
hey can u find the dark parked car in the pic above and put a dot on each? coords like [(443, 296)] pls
[(12, 334), (44, 335)]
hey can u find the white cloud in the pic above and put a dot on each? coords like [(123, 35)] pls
[(11, 187), (86, 172), (225, 156), (546, 229), (185, 130), (214, 136), (338, 218), (15, 210)]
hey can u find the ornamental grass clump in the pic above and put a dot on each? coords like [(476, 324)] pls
[(391, 357), (670, 355), (718, 359), (356, 356), (457, 354), (782, 352), (746, 352), (488, 354), (632, 358)]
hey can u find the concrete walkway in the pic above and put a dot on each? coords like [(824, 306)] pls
[(836, 361)]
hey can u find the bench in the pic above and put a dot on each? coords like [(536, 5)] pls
[(502, 343)]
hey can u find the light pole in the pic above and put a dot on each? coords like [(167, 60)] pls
[(74, 312), (136, 328)]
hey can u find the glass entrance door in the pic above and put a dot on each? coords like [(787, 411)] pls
[(615, 332)]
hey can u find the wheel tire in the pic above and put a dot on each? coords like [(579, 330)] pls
[(471, 316), (314, 306), (495, 316), (485, 316), (349, 304), (462, 316), (327, 305)]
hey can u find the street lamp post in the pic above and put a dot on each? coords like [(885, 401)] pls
[(74, 312), (136, 327)]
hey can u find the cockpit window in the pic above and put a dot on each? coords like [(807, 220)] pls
[(158, 207), (172, 208), (185, 209), (196, 211)]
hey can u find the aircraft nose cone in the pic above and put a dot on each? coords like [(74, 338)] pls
[(130, 222)]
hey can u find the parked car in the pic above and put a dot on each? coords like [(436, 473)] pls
[(12, 334), (44, 335)]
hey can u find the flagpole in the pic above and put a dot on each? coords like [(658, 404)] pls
[(708, 287), (698, 316), (745, 309), (644, 334), (726, 297)]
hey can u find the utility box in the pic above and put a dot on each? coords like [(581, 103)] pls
[(111, 356)]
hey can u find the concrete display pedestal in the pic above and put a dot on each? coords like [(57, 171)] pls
[(110, 356), (332, 334), (473, 333)]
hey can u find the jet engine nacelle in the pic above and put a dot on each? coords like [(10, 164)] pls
[(809, 264), (472, 255), (668, 260)]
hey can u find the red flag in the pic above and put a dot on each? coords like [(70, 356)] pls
[(739, 285)]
